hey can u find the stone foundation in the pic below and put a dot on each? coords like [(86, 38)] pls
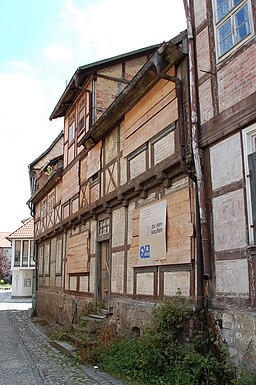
[(238, 332)]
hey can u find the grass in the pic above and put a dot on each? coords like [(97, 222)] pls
[(5, 286)]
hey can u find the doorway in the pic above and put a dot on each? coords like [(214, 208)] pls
[(104, 276)]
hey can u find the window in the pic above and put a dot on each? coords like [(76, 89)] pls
[(25, 253), (43, 208), (51, 201), (232, 22), (103, 226), (59, 257), (249, 142), (71, 132), (47, 259), (17, 253)]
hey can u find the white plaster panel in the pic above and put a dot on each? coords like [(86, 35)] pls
[(118, 225), (130, 273), (72, 283), (229, 221), (176, 282), (145, 282), (117, 276), (83, 284), (232, 277), (164, 147), (226, 162)]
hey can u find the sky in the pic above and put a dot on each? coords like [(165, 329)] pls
[(42, 42)]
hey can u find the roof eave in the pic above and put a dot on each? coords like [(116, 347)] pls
[(85, 72), (143, 81)]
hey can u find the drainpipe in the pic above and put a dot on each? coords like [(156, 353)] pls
[(186, 170), (195, 144)]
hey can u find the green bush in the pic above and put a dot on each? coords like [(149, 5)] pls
[(166, 354)]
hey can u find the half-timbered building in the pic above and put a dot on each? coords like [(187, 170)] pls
[(125, 234)]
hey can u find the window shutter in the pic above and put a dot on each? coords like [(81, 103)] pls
[(252, 173)]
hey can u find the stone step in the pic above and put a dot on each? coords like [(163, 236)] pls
[(64, 347), (98, 316), (80, 341), (93, 319)]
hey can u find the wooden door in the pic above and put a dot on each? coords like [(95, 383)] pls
[(104, 272)]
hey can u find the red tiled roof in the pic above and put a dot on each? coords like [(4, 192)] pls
[(3, 241), (26, 231)]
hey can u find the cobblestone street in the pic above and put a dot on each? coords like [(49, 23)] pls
[(28, 358)]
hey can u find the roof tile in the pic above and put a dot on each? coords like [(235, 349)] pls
[(26, 231)]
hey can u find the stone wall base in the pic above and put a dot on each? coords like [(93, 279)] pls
[(238, 332)]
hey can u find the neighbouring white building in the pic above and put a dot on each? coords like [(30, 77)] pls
[(23, 263)]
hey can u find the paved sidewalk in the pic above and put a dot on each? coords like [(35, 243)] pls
[(28, 358)]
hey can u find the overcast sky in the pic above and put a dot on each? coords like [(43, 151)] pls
[(42, 43)]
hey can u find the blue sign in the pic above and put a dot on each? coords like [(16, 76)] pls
[(145, 251)]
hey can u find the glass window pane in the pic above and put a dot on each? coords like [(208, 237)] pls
[(25, 253), (236, 2), (223, 8), (225, 37), (17, 253), (242, 23)]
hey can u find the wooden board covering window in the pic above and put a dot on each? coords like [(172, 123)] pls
[(154, 112), (77, 253), (180, 230), (93, 160)]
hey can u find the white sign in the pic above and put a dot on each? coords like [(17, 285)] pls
[(152, 235)]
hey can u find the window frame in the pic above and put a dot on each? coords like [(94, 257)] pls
[(47, 258), (25, 242), (234, 9), (59, 256), (15, 264)]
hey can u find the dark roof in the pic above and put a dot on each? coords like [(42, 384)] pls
[(170, 53), (84, 72)]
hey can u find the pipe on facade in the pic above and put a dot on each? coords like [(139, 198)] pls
[(195, 144)]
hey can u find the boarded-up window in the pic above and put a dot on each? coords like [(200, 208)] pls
[(153, 113), (93, 160)]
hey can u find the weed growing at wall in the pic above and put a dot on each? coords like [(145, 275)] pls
[(171, 352)]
